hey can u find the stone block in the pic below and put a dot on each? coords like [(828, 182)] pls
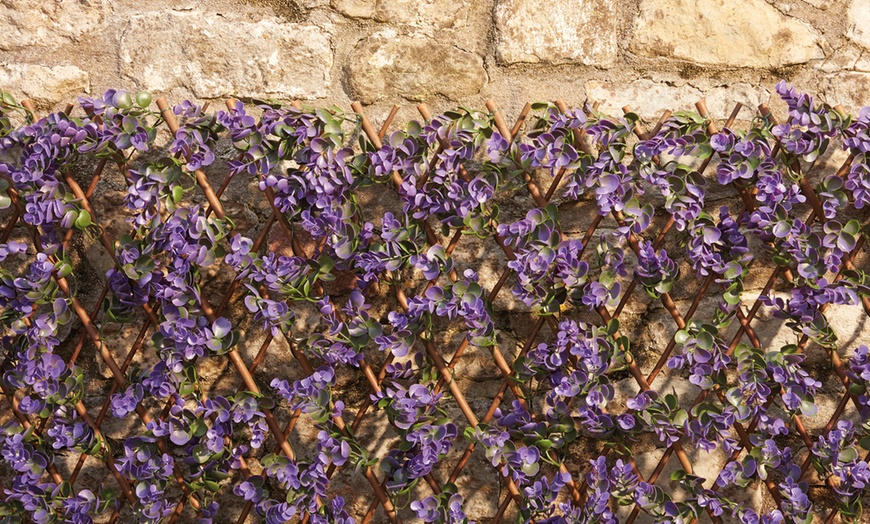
[(27, 23), (425, 14), (44, 85), (562, 32), (649, 98), (727, 33), (859, 22), (202, 53), (388, 65), (852, 90)]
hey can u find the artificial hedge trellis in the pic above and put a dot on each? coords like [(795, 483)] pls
[(449, 173)]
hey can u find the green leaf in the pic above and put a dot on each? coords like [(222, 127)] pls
[(326, 264), (612, 327), (414, 128), (64, 489), (705, 340), (143, 99), (201, 455), (681, 337), (809, 408), (7, 98), (64, 268), (848, 455), (198, 428), (731, 298), (177, 194), (83, 220), (680, 417), (545, 444)]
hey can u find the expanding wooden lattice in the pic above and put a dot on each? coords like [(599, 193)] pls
[(374, 365)]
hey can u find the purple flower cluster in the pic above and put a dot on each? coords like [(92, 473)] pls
[(574, 370), (151, 470), (704, 351), (445, 508), (655, 271), (426, 433), (810, 126), (441, 186), (744, 157), (548, 269), (613, 181), (463, 298), (196, 137), (451, 172), (857, 140)]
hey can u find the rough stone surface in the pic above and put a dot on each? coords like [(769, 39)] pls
[(748, 33), (424, 13), (616, 52), (859, 22), (33, 22), (849, 89), (45, 85), (649, 99), (846, 58), (413, 67), (560, 32), (863, 63), (290, 60)]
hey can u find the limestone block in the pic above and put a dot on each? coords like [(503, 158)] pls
[(852, 90), (435, 14), (26, 23), (649, 98), (387, 65), (859, 22), (560, 32), (215, 56), (44, 85), (730, 33)]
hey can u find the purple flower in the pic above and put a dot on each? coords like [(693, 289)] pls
[(655, 271)]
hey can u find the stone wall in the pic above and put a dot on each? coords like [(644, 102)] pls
[(649, 54), (652, 54)]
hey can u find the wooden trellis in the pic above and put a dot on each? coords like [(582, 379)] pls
[(446, 367)]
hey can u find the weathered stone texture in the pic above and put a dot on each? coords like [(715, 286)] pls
[(418, 13), (859, 22), (557, 32), (414, 67), (214, 56), (45, 85), (34, 22), (652, 55), (731, 33), (649, 99), (852, 90), (848, 57)]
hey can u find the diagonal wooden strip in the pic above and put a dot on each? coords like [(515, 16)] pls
[(834, 356), (445, 377), (201, 178)]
